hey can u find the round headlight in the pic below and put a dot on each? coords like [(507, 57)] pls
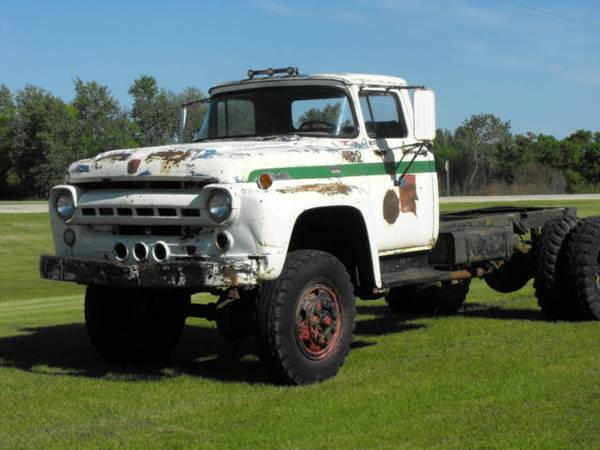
[(219, 206), (65, 206)]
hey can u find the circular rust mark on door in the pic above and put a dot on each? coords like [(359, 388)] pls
[(391, 206)]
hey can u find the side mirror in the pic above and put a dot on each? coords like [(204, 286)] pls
[(182, 121), (183, 116), (424, 115)]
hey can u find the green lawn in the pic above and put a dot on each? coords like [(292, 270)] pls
[(494, 376)]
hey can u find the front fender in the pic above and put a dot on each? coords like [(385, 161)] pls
[(270, 215)]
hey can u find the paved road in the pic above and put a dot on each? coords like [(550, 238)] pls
[(43, 207), (8, 208), (518, 198)]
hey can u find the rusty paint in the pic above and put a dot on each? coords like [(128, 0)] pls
[(351, 156), (320, 188), (119, 156), (169, 158), (190, 274), (408, 194), (230, 272), (111, 157), (391, 206), (133, 165)]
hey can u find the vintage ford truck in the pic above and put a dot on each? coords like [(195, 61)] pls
[(299, 193)]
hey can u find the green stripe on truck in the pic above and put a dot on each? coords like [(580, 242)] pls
[(343, 170)]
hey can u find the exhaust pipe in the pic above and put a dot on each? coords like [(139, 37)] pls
[(121, 251), (161, 252), (140, 251)]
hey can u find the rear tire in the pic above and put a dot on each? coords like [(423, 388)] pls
[(404, 300), (512, 275), (449, 297), (551, 283), (129, 326), (305, 318), (582, 254), (433, 299)]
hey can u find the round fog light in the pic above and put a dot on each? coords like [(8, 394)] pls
[(223, 241), (69, 237)]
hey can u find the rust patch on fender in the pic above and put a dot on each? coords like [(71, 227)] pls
[(169, 158), (351, 156), (391, 206), (322, 188)]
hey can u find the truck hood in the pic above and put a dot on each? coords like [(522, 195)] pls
[(216, 161)]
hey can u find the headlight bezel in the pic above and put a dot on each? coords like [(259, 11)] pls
[(226, 205), (57, 207)]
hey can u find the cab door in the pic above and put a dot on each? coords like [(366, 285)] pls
[(402, 182)]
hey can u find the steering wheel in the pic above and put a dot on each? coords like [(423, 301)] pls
[(321, 125)]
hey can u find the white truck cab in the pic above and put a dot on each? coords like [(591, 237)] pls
[(280, 163)]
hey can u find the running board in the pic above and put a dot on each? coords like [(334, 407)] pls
[(416, 276)]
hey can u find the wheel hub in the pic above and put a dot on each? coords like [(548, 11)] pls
[(318, 321)]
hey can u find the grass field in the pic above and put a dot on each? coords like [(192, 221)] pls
[(494, 376)]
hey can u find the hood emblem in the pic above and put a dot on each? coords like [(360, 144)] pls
[(133, 165)]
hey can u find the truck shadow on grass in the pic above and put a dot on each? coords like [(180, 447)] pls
[(66, 350), (402, 322)]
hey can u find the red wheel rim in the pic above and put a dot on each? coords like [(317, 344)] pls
[(318, 321)]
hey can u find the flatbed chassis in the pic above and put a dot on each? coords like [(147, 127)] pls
[(470, 243)]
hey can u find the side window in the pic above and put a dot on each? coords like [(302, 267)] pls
[(235, 117), (383, 116)]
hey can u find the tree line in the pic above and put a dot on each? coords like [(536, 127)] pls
[(485, 157), (40, 135)]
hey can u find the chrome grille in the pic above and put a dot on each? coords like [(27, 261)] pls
[(140, 212)]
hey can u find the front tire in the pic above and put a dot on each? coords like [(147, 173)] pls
[(132, 326), (305, 318)]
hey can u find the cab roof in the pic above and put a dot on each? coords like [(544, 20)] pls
[(346, 78)]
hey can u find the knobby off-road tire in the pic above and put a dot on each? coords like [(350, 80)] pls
[(582, 257), (433, 299), (551, 282), (305, 318), (132, 326)]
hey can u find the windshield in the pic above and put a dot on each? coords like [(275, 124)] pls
[(312, 111)]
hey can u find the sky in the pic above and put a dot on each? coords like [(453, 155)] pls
[(535, 63)]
